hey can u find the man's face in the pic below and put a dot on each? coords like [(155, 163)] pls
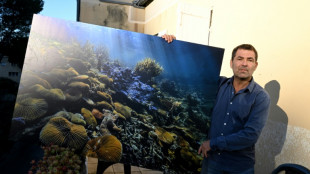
[(243, 64)]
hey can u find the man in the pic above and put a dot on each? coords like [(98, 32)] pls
[(239, 115)]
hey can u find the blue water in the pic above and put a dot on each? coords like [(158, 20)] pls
[(186, 63), (189, 63)]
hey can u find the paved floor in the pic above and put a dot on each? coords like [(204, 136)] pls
[(117, 168)]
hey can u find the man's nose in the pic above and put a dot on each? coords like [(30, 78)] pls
[(244, 62)]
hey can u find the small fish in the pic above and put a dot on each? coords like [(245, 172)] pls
[(89, 101), (19, 119)]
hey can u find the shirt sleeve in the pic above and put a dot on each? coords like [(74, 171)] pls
[(247, 136)]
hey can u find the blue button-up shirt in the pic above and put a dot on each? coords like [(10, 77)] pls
[(236, 123)]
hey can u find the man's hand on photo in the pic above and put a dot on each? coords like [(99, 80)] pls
[(168, 38)]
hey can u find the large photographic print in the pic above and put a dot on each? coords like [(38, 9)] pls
[(116, 95)]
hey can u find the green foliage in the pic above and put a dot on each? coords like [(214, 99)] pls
[(147, 69), (15, 22), (57, 160), (16, 17)]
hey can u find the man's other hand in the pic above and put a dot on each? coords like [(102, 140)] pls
[(204, 148), (168, 38)]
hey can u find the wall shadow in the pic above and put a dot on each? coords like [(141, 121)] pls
[(273, 136)]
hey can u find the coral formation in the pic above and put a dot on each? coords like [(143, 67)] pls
[(97, 114), (89, 118), (190, 159), (54, 94), (124, 110), (104, 105), (106, 148), (79, 85), (57, 75), (29, 108), (108, 122), (74, 118), (62, 132), (73, 94), (105, 96), (105, 79), (165, 136), (147, 69), (119, 115), (158, 121), (30, 79), (79, 65), (81, 78), (57, 160)]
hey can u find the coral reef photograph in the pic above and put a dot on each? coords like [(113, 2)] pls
[(115, 95)]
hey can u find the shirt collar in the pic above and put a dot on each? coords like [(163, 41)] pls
[(250, 86)]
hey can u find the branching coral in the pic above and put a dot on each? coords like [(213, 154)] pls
[(147, 69)]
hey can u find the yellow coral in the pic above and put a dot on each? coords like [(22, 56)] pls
[(105, 79), (105, 96), (74, 118), (79, 85), (81, 78), (190, 159), (104, 105), (182, 142), (147, 69), (54, 94), (165, 136), (61, 74), (73, 94), (106, 148), (72, 72), (89, 118), (162, 112), (119, 115), (29, 78), (62, 132), (124, 110), (145, 118), (29, 108), (94, 80)]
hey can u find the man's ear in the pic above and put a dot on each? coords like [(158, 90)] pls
[(256, 64), (230, 63)]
